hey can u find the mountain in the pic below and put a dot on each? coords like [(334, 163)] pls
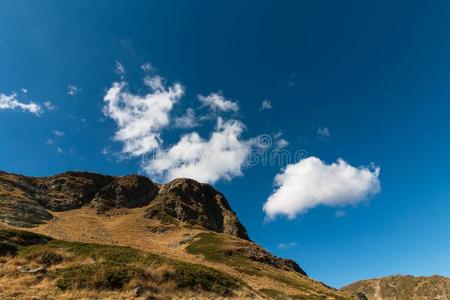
[(80, 235), (402, 288)]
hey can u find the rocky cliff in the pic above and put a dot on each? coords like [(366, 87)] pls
[(29, 201)]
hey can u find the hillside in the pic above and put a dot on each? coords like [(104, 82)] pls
[(402, 288), (83, 235)]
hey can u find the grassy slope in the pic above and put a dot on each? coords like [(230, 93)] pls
[(77, 266), (403, 288)]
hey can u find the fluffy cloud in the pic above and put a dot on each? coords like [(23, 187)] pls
[(217, 102), (188, 120), (140, 118), (220, 157), (12, 102), (266, 104), (312, 182)]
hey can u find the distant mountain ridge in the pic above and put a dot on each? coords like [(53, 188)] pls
[(402, 287)]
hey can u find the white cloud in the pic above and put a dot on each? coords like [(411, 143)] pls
[(188, 120), (24, 90), (217, 102), (12, 102), (106, 151), (287, 245), (311, 182), (72, 90), (120, 69), (147, 67), (266, 104), (58, 133), (323, 133), (281, 143), (220, 157), (140, 118), (49, 142), (50, 106), (59, 150)]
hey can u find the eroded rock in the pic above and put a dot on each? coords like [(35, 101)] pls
[(196, 203)]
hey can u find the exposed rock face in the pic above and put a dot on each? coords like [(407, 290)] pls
[(128, 191), (261, 255), (196, 203), (22, 212), (68, 190), (28, 201), (401, 288)]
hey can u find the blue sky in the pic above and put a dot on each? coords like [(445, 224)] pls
[(365, 82)]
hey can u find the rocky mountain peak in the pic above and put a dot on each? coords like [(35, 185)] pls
[(198, 204), (29, 201)]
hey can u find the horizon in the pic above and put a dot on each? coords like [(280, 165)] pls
[(323, 124)]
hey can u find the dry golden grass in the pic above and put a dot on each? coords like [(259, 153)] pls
[(127, 227)]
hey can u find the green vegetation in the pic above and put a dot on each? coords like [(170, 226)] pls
[(96, 276), (114, 267), (213, 248), (274, 294), (192, 275)]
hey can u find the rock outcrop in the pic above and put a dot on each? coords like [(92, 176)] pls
[(127, 191), (198, 204), (29, 201)]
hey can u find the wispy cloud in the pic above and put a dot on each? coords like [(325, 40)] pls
[(266, 104), (287, 245), (120, 69), (323, 133), (148, 67), (11, 102), (281, 143), (218, 103), (340, 213), (188, 120), (73, 90), (58, 133), (50, 106)]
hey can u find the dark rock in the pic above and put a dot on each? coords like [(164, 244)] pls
[(22, 212), (196, 203), (8, 249), (68, 190), (24, 201), (160, 229), (127, 191), (361, 296), (261, 255), (137, 291)]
